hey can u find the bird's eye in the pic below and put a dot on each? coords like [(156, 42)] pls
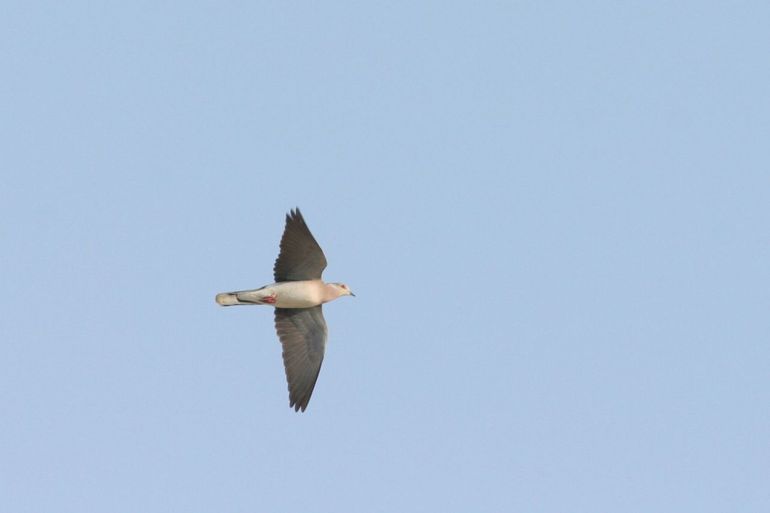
[(343, 286)]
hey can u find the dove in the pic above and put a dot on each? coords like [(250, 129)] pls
[(298, 296)]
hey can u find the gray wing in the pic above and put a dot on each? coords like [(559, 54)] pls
[(302, 332), (300, 258)]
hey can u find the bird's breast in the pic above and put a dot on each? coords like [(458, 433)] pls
[(297, 294)]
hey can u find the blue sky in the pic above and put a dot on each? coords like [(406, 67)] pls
[(555, 217)]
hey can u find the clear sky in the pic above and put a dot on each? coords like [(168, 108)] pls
[(555, 216)]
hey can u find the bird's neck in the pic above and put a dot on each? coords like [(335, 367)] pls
[(330, 292)]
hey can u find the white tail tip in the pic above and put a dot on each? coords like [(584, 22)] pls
[(227, 299)]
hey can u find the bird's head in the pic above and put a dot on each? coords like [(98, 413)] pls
[(342, 290)]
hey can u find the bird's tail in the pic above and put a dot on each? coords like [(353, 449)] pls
[(228, 299), (245, 297)]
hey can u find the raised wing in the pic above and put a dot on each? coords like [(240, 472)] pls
[(302, 332), (300, 258)]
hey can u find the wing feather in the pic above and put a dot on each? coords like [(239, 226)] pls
[(302, 332), (300, 257)]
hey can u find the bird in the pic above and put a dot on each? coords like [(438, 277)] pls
[(298, 295)]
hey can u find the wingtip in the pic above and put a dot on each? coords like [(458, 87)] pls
[(294, 213), (297, 406)]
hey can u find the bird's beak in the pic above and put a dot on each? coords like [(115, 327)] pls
[(351, 293)]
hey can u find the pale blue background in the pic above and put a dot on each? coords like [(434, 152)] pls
[(555, 216)]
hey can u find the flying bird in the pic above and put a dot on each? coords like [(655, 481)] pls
[(297, 295)]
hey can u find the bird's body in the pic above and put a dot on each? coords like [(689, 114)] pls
[(297, 295), (287, 294)]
